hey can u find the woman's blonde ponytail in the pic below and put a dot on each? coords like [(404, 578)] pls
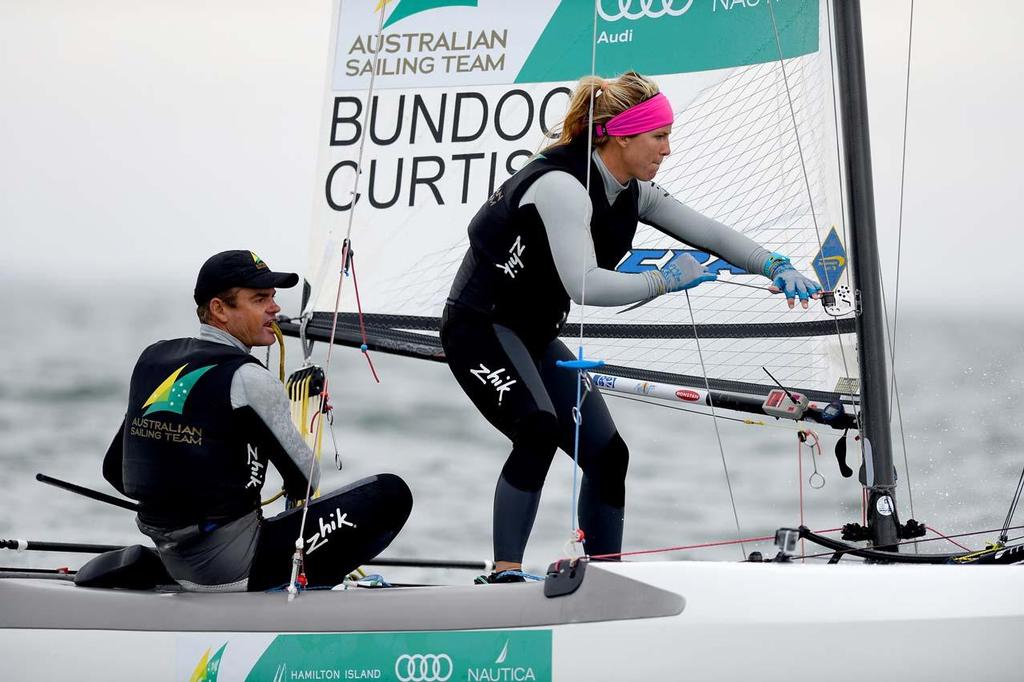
[(611, 98)]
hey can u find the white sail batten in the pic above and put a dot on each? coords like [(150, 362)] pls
[(464, 94)]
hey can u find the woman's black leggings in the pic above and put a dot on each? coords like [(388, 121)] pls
[(519, 389)]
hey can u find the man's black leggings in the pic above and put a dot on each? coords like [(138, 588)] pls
[(518, 388), (344, 529)]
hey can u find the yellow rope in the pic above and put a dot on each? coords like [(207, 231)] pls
[(280, 345), (273, 498), (303, 391), (990, 547)]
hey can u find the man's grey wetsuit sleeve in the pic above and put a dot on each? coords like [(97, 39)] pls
[(664, 212), (564, 207), (253, 386)]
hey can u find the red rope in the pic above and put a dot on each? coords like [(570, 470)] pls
[(362, 327), (681, 548), (325, 403), (943, 535), (800, 485)]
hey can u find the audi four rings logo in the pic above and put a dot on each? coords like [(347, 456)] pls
[(423, 667), (646, 9)]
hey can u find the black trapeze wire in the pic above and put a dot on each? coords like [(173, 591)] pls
[(714, 420), (893, 384), (1013, 508)]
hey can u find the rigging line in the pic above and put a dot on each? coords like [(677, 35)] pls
[(800, 150), (894, 391), (743, 284), (345, 255), (1013, 507), (890, 332), (945, 537), (832, 552), (839, 171), (703, 545), (714, 420), (589, 164), (803, 165), (903, 176), (835, 122), (578, 413)]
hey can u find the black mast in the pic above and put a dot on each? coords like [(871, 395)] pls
[(880, 477)]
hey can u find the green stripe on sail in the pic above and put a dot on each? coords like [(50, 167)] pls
[(407, 8), (710, 34)]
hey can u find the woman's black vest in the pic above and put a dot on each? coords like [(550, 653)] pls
[(188, 456), (508, 272)]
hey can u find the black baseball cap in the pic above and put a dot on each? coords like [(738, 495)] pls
[(241, 268)]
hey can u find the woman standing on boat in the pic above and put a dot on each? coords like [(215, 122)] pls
[(532, 245)]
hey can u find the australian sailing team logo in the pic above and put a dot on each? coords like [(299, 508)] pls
[(171, 394), (208, 667), (630, 10), (405, 8), (257, 261)]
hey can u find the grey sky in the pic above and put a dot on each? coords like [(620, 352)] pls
[(137, 137)]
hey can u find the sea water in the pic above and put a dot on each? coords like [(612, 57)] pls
[(68, 351)]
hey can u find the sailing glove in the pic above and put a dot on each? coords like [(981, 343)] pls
[(784, 276), (681, 273)]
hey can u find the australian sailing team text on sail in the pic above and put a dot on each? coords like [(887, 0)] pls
[(425, 52)]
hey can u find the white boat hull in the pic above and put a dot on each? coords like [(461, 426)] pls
[(671, 620)]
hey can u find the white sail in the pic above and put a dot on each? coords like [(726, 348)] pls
[(463, 93)]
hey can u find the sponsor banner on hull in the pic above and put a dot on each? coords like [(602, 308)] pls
[(474, 656)]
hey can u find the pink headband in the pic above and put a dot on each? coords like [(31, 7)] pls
[(650, 114)]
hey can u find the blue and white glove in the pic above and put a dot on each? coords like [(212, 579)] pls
[(681, 273), (788, 280)]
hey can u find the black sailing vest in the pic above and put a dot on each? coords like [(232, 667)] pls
[(188, 456), (508, 272)]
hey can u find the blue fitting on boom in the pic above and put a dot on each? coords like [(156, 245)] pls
[(579, 364), (363, 347)]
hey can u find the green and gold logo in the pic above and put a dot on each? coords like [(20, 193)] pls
[(405, 8), (257, 261), (206, 669), (171, 394)]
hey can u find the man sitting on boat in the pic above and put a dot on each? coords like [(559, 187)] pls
[(204, 419)]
